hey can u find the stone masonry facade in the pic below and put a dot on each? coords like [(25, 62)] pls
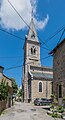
[(35, 89), (59, 70), (33, 72)]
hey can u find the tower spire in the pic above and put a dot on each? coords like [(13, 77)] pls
[(32, 13)]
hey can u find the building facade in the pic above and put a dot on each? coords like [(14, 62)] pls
[(7, 81), (36, 79), (59, 71)]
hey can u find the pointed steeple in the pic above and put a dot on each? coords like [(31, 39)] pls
[(32, 35)]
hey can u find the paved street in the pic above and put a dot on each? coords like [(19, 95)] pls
[(25, 111)]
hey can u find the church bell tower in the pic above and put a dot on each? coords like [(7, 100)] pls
[(32, 47), (31, 55)]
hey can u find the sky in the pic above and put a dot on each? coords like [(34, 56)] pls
[(49, 18)]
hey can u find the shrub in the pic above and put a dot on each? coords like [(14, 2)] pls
[(60, 109), (63, 98)]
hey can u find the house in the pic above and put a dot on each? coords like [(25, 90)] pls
[(37, 79), (7, 81), (59, 71)]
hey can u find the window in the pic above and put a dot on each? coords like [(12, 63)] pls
[(60, 91), (33, 50), (40, 86)]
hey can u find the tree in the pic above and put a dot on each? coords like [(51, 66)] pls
[(19, 93), (14, 86), (3, 90)]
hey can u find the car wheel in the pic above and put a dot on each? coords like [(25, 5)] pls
[(40, 104)]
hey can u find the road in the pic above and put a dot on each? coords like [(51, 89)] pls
[(26, 111)]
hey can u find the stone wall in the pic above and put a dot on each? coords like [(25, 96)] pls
[(59, 69), (46, 89), (2, 105)]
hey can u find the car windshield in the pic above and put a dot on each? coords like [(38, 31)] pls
[(37, 98), (43, 98)]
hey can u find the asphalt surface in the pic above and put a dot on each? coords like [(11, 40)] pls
[(26, 111)]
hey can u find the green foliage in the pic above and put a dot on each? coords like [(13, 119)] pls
[(52, 105), (3, 90), (19, 93), (55, 115), (60, 109), (63, 98), (52, 96), (54, 99), (14, 86)]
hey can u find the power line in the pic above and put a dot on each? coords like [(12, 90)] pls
[(24, 20), (46, 57), (18, 37), (61, 36), (14, 73), (10, 57), (32, 30), (45, 48), (18, 62), (57, 32), (12, 34), (18, 13), (25, 64), (13, 67)]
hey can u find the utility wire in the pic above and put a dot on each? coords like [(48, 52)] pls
[(19, 37), (24, 20), (18, 13), (25, 64), (13, 67), (10, 57), (61, 36), (18, 62), (12, 34), (57, 32), (45, 48), (46, 57), (47, 40)]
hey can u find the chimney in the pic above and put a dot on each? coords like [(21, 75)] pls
[(1, 69)]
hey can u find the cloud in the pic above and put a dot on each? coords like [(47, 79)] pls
[(41, 24), (10, 20)]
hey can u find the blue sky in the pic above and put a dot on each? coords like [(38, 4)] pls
[(49, 16)]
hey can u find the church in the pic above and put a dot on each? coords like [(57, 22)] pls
[(37, 79)]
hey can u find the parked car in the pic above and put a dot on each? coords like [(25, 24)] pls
[(42, 101), (49, 100)]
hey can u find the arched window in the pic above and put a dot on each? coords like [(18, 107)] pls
[(33, 50), (40, 86)]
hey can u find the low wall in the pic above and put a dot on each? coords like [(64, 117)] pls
[(2, 105)]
